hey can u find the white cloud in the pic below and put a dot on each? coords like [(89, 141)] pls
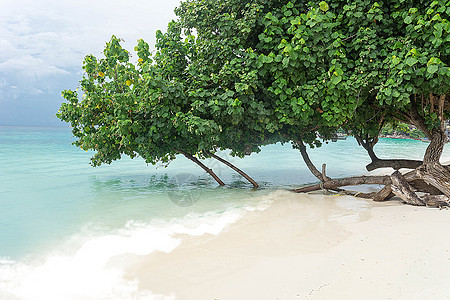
[(63, 32), (28, 65), (43, 42)]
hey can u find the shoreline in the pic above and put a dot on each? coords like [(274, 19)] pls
[(310, 247)]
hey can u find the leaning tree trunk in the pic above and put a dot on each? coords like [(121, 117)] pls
[(395, 164), (428, 177), (242, 173), (198, 162), (309, 163), (431, 177)]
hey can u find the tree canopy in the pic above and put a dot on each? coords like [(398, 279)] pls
[(236, 75)]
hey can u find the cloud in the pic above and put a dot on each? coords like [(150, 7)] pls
[(28, 65), (43, 42), (62, 32)]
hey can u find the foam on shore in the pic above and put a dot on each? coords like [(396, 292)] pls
[(92, 267), (311, 247)]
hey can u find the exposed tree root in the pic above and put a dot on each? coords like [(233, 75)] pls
[(436, 200), (357, 194), (431, 180), (427, 184), (436, 175), (384, 194), (402, 189)]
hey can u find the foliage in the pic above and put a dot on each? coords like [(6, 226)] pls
[(402, 129), (239, 74)]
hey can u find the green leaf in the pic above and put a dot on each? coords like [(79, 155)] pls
[(336, 79), (411, 61), (432, 69), (324, 6), (408, 20), (395, 60), (415, 52)]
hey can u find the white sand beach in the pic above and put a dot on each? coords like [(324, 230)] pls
[(311, 247)]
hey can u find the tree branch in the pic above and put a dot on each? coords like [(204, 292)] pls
[(198, 162), (242, 173)]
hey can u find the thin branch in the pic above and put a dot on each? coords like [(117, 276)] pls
[(242, 173)]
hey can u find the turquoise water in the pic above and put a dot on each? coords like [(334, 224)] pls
[(53, 201)]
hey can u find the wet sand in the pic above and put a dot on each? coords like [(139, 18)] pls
[(310, 247)]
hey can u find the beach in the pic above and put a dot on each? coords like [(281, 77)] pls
[(132, 231), (345, 248), (310, 247)]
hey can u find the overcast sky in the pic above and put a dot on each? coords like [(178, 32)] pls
[(43, 44)]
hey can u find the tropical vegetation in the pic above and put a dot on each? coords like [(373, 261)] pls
[(238, 75)]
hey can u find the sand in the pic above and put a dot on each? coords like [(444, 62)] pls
[(310, 247)]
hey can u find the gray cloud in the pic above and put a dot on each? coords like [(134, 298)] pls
[(43, 43)]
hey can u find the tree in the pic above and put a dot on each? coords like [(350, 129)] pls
[(138, 110), (240, 74), (372, 62)]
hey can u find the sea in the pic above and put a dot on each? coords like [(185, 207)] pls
[(62, 220)]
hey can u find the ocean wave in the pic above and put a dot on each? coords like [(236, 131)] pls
[(85, 272)]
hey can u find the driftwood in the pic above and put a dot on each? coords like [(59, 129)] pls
[(384, 194), (430, 179), (421, 185), (427, 184), (402, 189), (358, 194), (437, 176), (436, 200)]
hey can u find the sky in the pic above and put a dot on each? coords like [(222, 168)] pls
[(43, 44)]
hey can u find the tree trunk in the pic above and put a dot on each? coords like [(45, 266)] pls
[(309, 163), (428, 177), (255, 185), (396, 164), (378, 163), (336, 183), (368, 145), (198, 162), (436, 146)]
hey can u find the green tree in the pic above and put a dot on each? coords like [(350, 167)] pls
[(140, 110), (240, 74)]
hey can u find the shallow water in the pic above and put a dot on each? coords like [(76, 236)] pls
[(57, 213)]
